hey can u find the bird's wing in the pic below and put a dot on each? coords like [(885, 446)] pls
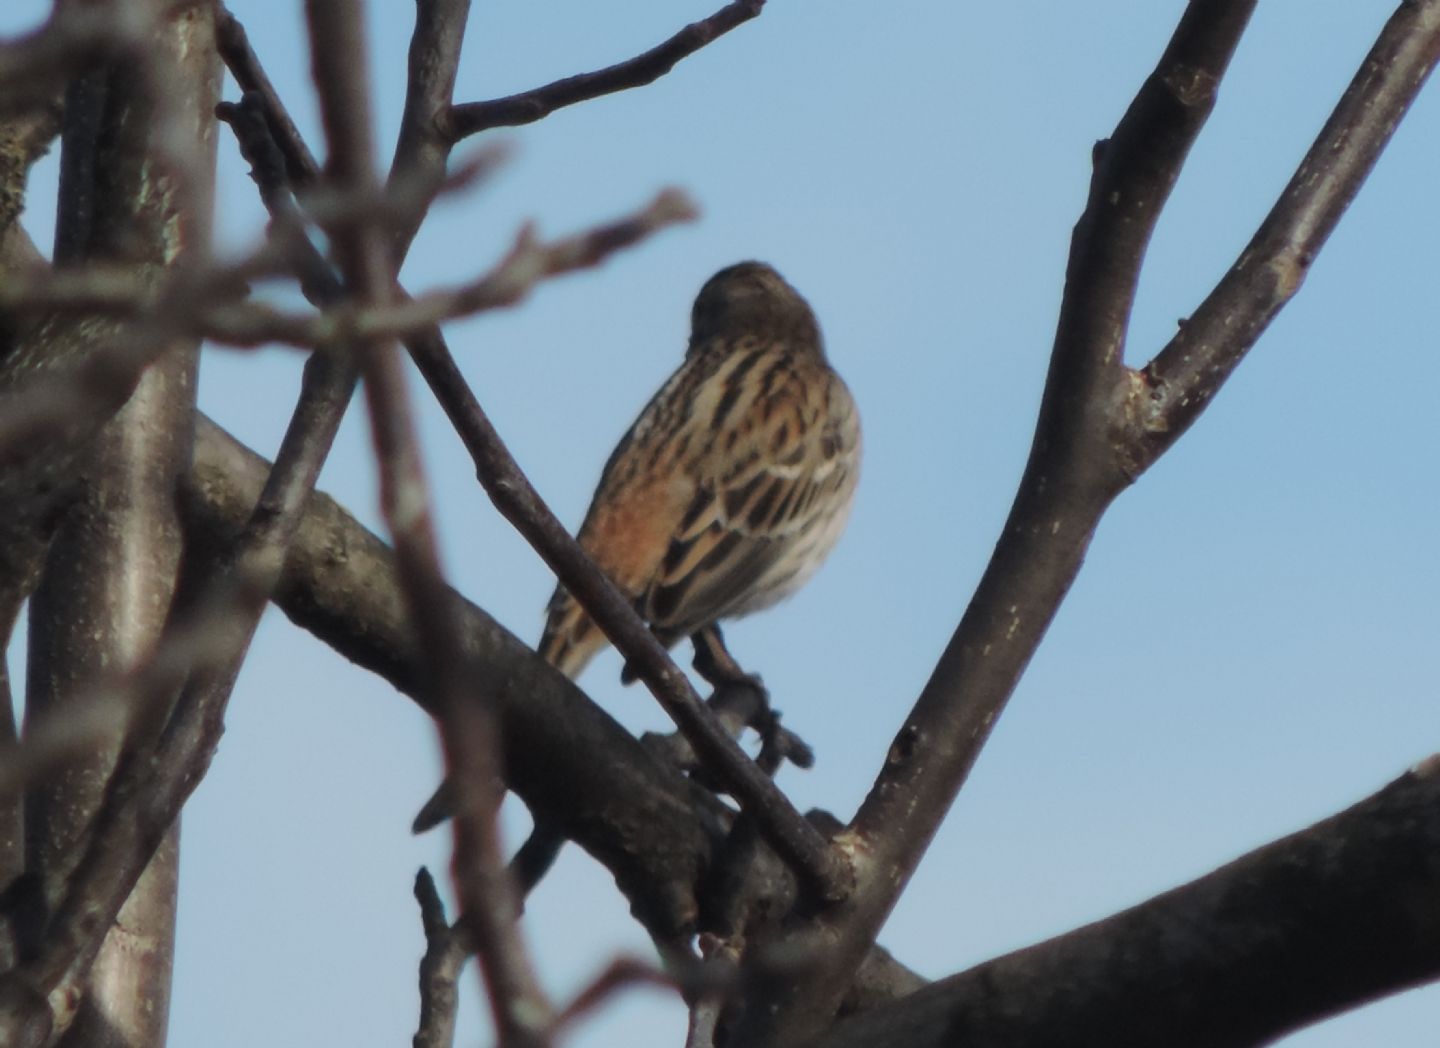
[(777, 469), (636, 509), (723, 496)]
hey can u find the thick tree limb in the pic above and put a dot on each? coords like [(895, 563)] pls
[(1088, 447), (136, 189), (202, 649), (23, 140), (571, 762), (665, 922), (1309, 926), (36, 66), (1069, 480)]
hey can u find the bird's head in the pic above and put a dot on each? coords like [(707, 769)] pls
[(750, 298)]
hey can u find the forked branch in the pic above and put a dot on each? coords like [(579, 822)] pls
[(1323, 920), (1093, 436)]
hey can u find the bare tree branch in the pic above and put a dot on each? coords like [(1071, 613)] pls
[(518, 501), (1067, 484), (203, 646), (148, 789), (570, 762), (214, 633), (422, 150), (445, 954), (137, 182), (203, 303), (1072, 475), (38, 479), (800, 843), (322, 287), (1177, 385), (527, 263), (1324, 920), (786, 908), (36, 66), (619, 975), (522, 1012), (12, 810), (1082, 457), (205, 642), (245, 67), (23, 140), (529, 106), (114, 289)]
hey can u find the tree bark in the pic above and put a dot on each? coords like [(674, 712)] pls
[(111, 573)]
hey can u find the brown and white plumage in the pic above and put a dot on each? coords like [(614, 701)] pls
[(735, 481), (727, 492)]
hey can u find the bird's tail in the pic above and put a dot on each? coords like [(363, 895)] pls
[(571, 639)]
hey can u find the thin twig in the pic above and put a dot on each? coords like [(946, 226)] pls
[(793, 837), (47, 404), (205, 302), (244, 65), (707, 1003), (619, 975), (445, 954), (529, 106), (527, 263), (490, 907)]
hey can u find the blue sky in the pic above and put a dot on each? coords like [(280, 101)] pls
[(1249, 648)]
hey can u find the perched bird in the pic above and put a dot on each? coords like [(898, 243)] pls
[(735, 481), (733, 484)]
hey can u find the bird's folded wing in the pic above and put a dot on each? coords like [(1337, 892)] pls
[(757, 496)]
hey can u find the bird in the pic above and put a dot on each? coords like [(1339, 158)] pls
[(736, 480), (732, 485)]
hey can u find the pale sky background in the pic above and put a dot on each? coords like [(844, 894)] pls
[(1250, 647)]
